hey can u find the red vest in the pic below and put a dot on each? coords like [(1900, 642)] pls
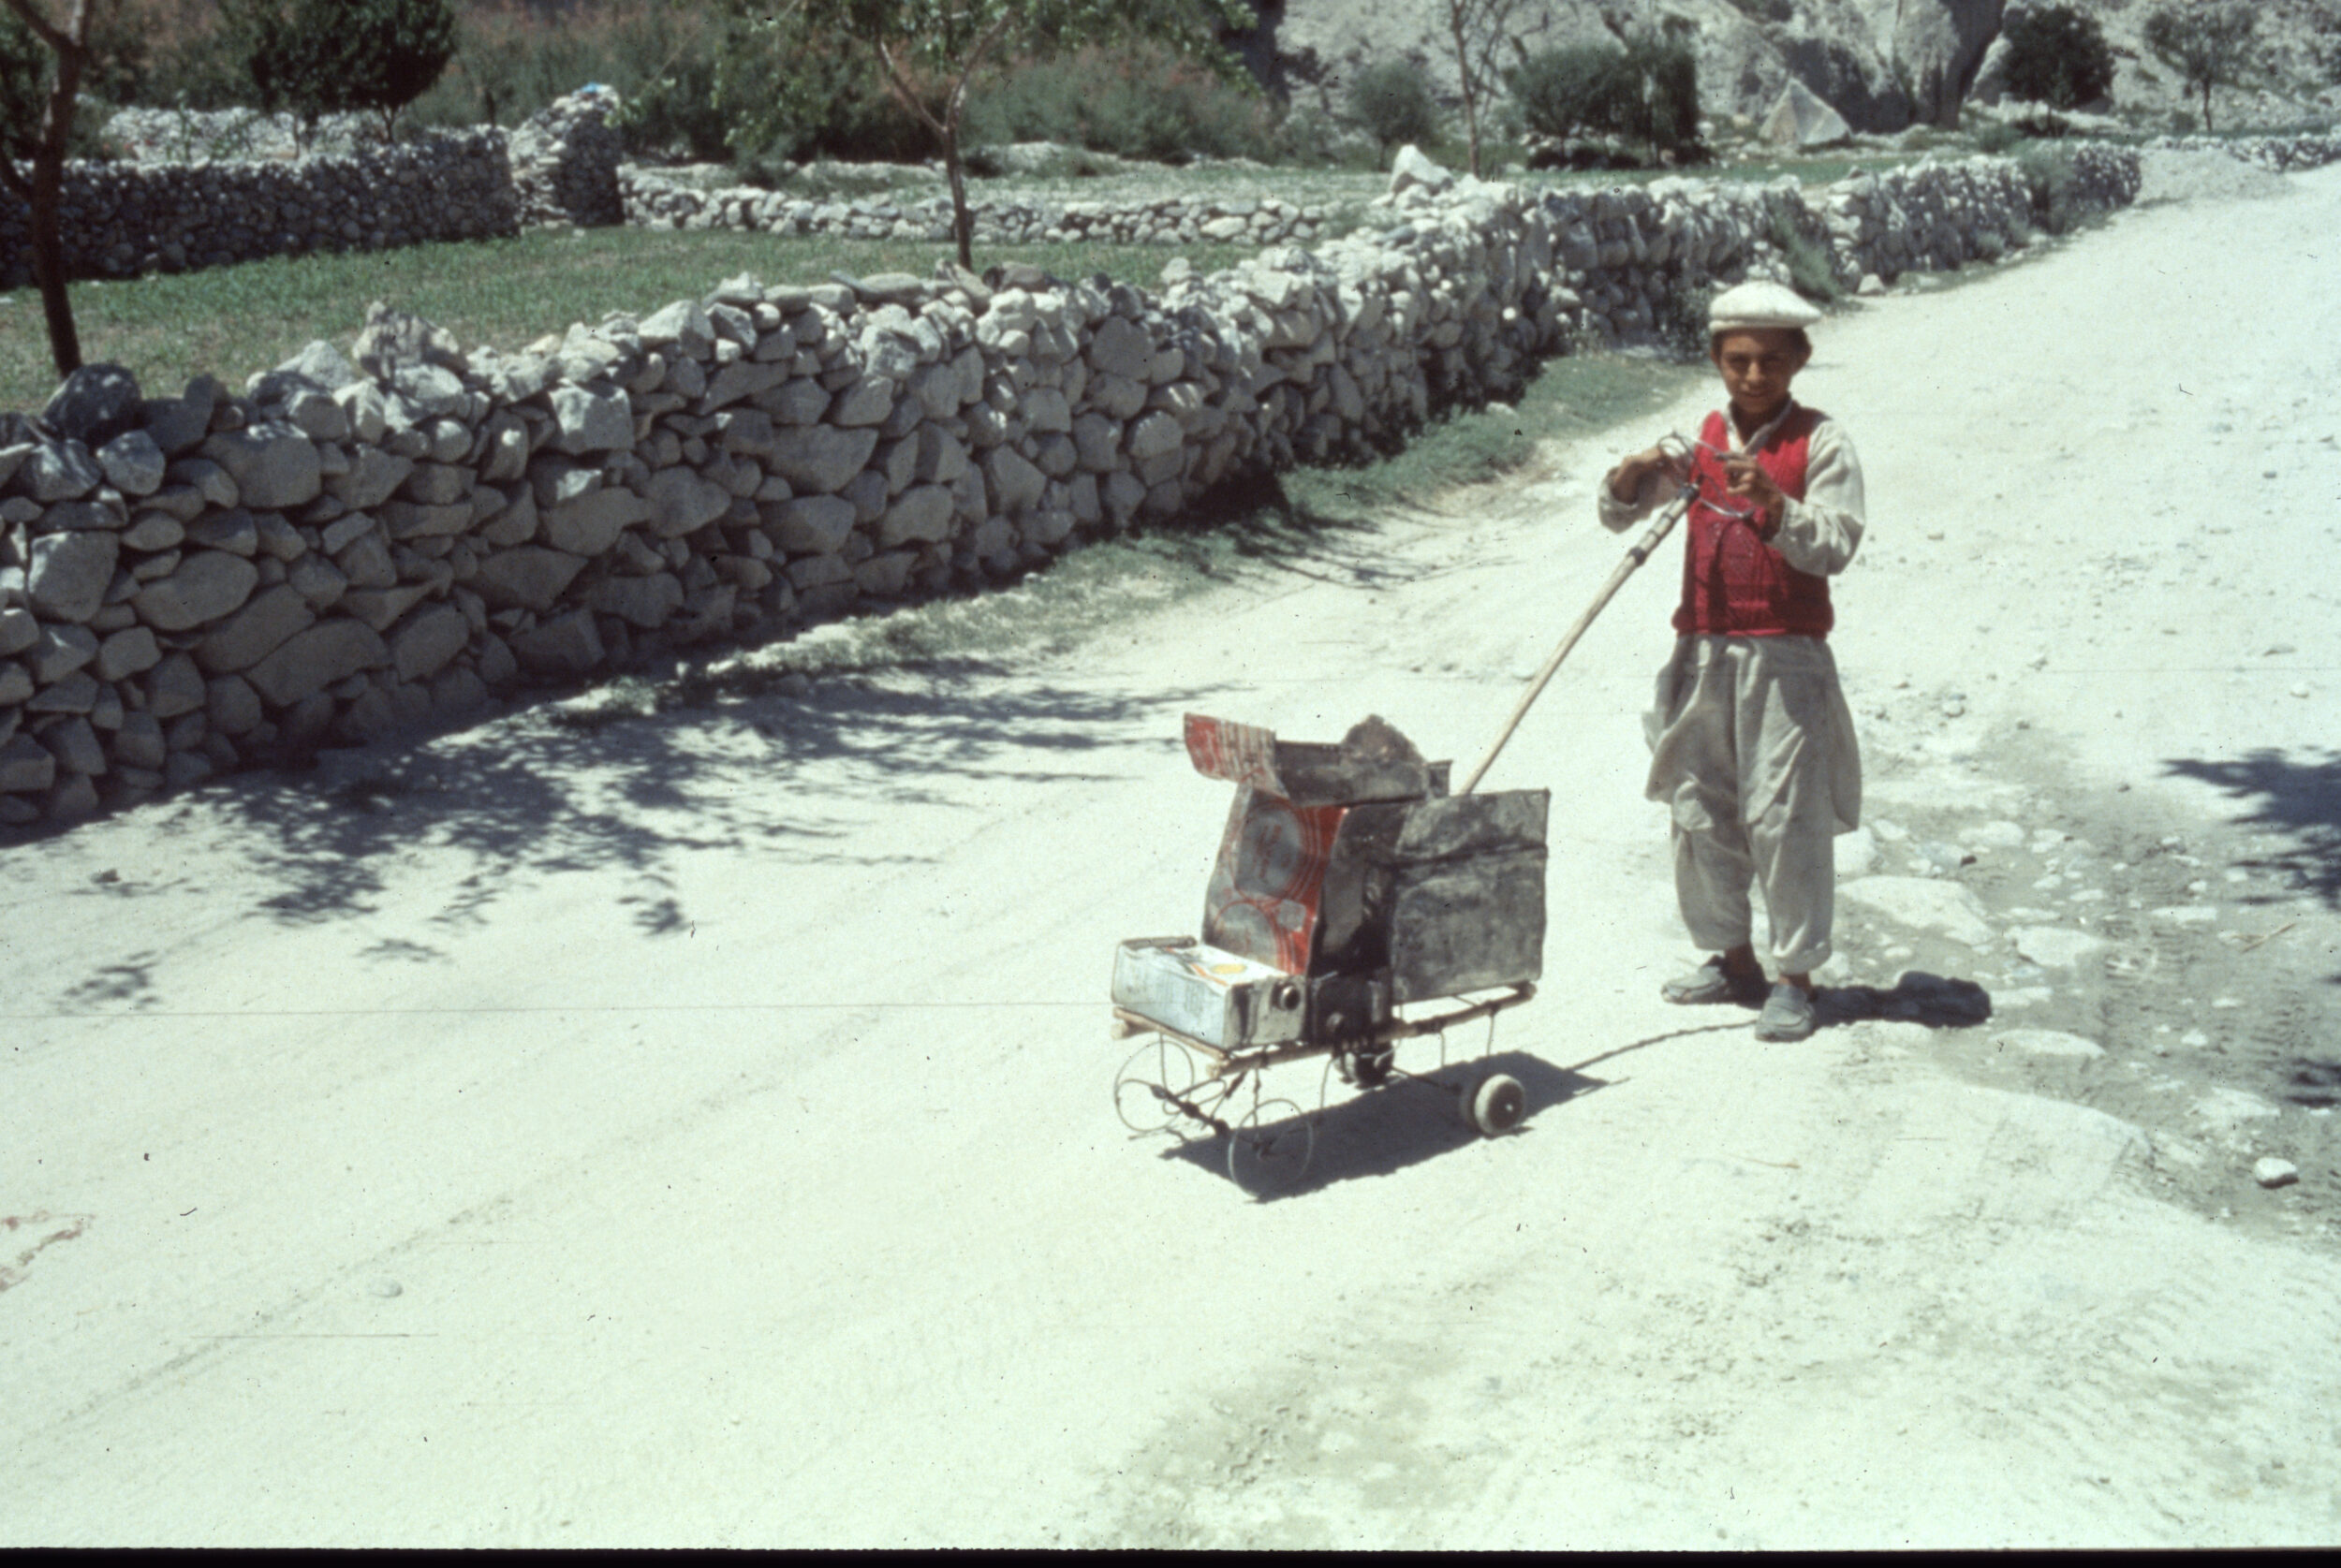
[(1734, 583)]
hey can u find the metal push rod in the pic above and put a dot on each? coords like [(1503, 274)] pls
[(1642, 549)]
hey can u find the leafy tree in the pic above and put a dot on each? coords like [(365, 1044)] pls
[(2058, 57), (2324, 43), (1389, 102), (1646, 89), (1664, 105), (36, 128), (929, 50), (1571, 91), (1476, 30), (2209, 43), (318, 57)]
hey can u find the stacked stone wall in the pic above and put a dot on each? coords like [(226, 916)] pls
[(653, 201), (122, 219), (565, 161), (192, 583), (2281, 154)]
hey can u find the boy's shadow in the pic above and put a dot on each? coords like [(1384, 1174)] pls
[(1917, 997)]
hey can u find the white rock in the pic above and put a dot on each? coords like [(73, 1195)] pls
[(1927, 903), (2055, 947), (132, 463), (2269, 1171), (2045, 1042), (2228, 1110)]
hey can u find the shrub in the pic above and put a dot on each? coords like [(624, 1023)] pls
[(1390, 101), (2208, 44), (672, 107), (835, 105), (116, 72), (510, 62), (1139, 100), (1997, 137), (1667, 69), (1571, 91), (1682, 320), (316, 57), (2054, 182), (1809, 271), (2058, 57), (1646, 92)]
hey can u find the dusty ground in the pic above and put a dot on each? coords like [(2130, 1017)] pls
[(695, 1128)]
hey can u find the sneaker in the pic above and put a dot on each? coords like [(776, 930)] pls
[(1712, 982), (1788, 1013)]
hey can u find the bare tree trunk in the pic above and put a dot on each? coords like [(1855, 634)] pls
[(962, 221), (1463, 67), (44, 192), (48, 270)]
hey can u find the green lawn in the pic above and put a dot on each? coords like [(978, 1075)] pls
[(231, 321)]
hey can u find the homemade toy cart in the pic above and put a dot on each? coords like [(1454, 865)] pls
[(1349, 885)]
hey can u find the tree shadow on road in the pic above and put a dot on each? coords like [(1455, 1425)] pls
[(706, 764), (2298, 795)]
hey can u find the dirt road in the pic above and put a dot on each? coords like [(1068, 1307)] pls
[(695, 1128)]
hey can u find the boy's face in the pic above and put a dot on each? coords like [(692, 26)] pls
[(1758, 364)]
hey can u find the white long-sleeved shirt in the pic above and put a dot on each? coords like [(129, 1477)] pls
[(1817, 534)]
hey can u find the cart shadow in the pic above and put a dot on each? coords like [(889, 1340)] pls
[(1407, 1121)]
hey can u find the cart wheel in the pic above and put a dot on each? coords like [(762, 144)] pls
[(1270, 1146), (1160, 1063), (1498, 1104), (1368, 1065)]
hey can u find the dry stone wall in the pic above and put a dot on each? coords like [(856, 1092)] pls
[(121, 219), (564, 161), (652, 201), (2281, 154), (352, 543)]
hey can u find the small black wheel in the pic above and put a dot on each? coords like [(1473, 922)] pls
[(1368, 1064), (1270, 1148), (1160, 1065), (1498, 1104)]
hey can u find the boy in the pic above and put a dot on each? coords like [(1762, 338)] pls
[(1752, 747)]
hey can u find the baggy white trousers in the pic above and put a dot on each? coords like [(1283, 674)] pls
[(1753, 752)]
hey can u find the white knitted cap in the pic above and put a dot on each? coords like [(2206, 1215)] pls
[(1758, 304)]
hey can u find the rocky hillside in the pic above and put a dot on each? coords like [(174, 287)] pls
[(1884, 65)]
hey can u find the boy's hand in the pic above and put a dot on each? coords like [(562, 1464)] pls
[(1745, 479), (1628, 477)]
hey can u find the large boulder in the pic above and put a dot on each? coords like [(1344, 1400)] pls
[(1310, 51), (1799, 119), (95, 404), (1937, 47)]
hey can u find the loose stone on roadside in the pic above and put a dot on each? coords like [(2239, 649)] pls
[(2269, 1171)]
